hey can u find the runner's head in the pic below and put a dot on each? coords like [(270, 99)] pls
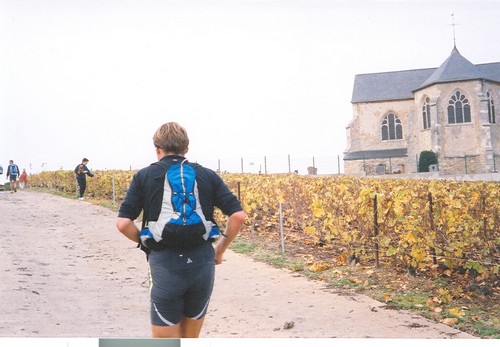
[(171, 138)]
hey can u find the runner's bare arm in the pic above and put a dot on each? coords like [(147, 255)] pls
[(234, 224), (128, 228)]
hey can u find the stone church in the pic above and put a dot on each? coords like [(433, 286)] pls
[(452, 110)]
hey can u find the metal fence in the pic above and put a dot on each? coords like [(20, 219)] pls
[(319, 165), (467, 164)]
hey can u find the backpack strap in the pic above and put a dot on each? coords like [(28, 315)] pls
[(145, 221), (166, 166)]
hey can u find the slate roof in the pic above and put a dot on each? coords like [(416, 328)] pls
[(400, 85)]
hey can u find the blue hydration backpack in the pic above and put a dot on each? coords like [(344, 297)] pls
[(14, 170), (181, 223)]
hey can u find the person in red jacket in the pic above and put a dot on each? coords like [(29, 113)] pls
[(23, 179)]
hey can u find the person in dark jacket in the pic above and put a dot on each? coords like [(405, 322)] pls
[(182, 277), (82, 171)]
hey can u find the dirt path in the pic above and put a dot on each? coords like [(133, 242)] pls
[(67, 272)]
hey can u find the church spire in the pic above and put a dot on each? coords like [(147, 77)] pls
[(453, 24)]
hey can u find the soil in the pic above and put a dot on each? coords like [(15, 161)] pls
[(67, 272)]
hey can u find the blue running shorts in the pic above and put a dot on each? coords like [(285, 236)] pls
[(181, 283)]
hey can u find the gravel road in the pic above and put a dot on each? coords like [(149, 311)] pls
[(67, 272)]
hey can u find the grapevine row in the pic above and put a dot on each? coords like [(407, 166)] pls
[(462, 229), (413, 222)]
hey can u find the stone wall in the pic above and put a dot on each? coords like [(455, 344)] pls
[(477, 141), (377, 166)]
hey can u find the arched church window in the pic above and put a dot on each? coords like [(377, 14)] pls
[(426, 113), (391, 128), (491, 109), (458, 109)]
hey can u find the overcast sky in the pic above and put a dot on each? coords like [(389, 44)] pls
[(96, 78)]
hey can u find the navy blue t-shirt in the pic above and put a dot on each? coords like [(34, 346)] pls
[(146, 192), (82, 170)]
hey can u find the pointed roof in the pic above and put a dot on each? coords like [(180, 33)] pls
[(455, 68), (400, 85)]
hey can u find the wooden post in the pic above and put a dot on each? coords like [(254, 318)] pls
[(239, 191), (282, 237), (114, 191), (433, 228), (375, 230)]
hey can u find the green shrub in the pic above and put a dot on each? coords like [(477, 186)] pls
[(426, 159)]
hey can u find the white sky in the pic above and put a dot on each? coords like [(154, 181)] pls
[(96, 78)]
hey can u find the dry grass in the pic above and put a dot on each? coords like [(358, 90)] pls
[(449, 297)]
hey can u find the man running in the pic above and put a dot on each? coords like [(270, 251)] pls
[(13, 173), (181, 257)]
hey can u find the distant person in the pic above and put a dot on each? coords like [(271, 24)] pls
[(178, 199), (23, 179), (82, 171), (13, 173)]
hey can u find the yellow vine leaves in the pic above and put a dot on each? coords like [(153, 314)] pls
[(409, 221)]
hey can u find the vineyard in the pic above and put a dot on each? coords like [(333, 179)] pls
[(411, 222), (415, 223), (410, 226)]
